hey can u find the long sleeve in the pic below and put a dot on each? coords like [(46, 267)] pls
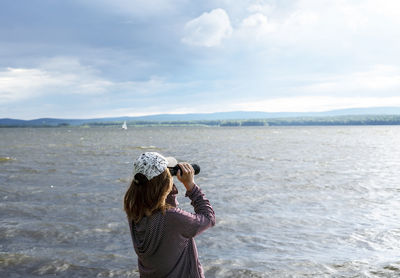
[(192, 224)]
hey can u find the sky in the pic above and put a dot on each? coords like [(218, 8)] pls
[(110, 58)]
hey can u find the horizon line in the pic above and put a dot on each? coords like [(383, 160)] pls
[(204, 113)]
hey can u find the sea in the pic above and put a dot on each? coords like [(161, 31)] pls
[(289, 201)]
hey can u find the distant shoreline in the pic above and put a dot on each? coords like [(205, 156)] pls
[(355, 120)]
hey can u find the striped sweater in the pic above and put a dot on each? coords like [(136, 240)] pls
[(164, 243)]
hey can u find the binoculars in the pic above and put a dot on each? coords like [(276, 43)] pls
[(174, 170)]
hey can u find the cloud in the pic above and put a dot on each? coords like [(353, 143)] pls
[(265, 29), (67, 76), (380, 79), (260, 8), (209, 29), (54, 77), (316, 26), (255, 27), (18, 84), (313, 103)]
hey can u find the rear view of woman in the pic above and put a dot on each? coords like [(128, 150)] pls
[(162, 234)]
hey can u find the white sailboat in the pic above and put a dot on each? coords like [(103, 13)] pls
[(124, 126)]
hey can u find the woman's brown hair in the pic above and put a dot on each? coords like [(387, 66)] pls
[(144, 197)]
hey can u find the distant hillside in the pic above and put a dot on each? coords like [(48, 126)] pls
[(221, 116), (243, 115)]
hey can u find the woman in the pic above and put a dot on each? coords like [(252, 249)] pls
[(162, 234)]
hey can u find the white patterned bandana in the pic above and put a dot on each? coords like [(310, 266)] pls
[(151, 164)]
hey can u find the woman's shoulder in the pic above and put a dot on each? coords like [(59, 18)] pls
[(177, 213), (173, 211)]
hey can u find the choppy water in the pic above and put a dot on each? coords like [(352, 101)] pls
[(290, 202)]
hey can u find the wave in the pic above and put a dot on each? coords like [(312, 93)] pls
[(6, 159), (146, 148), (22, 265)]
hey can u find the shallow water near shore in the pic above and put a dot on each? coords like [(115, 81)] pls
[(289, 201)]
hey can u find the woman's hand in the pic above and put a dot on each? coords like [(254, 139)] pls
[(186, 175)]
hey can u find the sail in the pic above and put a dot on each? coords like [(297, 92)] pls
[(124, 126)]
